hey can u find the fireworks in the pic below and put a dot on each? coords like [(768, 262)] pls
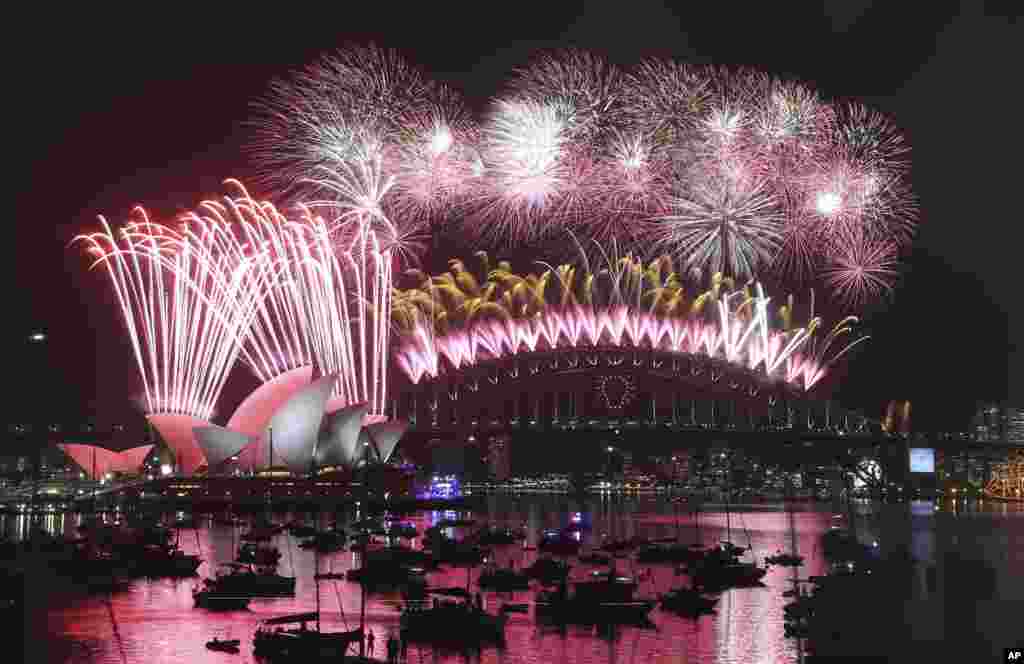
[(187, 299), (332, 280), (524, 153), (627, 304), (242, 281), (357, 122), (862, 270), (725, 170), (716, 171), (723, 223)]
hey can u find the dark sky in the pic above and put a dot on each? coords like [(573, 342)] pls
[(111, 109)]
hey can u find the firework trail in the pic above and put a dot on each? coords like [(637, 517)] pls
[(187, 299), (330, 281)]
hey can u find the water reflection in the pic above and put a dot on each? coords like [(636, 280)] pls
[(155, 619)]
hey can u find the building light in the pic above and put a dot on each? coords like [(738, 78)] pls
[(165, 469)]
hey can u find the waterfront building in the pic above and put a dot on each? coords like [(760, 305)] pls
[(998, 423), (1013, 419), (677, 467), (986, 425)]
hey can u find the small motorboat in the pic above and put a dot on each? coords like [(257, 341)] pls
[(595, 559), (224, 645), (558, 543), (785, 560), (503, 580), (302, 530), (451, 623), (687, 601), (515, 608), (548, 571), (210, 596), (622, 546)]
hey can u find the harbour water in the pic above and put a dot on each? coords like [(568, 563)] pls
[(151, 621)]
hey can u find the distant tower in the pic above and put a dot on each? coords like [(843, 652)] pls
[(499, 458), (905, 418), (989, 423), (889, 423), (1013, 425)]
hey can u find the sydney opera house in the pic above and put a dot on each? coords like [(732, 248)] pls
[(288, 425)]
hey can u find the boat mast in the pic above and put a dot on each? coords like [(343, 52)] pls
[(362, 597), (316, 581), (675, 499), (696, 514), (728, 497), (848, 485), (792, 517), (728, 522)]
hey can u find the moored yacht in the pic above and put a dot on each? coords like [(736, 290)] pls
[(604, 598), (302, 643)]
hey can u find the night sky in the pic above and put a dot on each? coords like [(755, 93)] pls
[(114, 109)]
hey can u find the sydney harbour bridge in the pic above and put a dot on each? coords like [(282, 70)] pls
[(671, 402), (653, 401)]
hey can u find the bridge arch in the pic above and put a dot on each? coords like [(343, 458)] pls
[(610, 386)]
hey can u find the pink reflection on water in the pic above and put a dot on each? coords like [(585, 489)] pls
[(157, 622)]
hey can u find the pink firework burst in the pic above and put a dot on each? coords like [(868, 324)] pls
[(587, 90), (632, 186), (792, 128), (871, 139), (668, 99), (801, 248), (837, 196), (435, 159), (862, 270), (739, 170)]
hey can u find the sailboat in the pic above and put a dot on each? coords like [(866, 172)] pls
[(790, 559), (224, 645), (604, 598), (687, 601), (721, 568), (674, 552), (302, 642)]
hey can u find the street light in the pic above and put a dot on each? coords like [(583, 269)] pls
[(38, 338)]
